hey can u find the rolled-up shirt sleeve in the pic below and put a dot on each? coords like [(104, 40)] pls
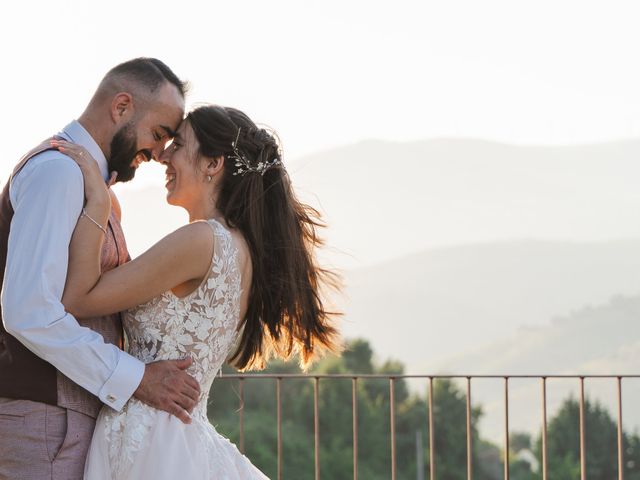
[(47, 200)]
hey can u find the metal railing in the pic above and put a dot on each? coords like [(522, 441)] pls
[(430, 378)]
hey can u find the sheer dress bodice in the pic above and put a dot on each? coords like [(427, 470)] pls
[(202, 325)]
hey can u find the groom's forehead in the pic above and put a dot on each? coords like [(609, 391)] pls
[(165, 117), (167, 107)]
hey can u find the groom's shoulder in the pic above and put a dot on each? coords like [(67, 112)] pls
[(49, 173), (51, 165)]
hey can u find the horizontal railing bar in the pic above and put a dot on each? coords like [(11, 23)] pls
[(388, 376)]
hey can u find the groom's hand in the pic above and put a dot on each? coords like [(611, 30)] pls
[(166, 386)]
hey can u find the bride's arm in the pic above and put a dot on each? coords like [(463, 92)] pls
[(177, 258)]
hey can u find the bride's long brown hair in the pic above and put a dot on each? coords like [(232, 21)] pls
[(286, 314)]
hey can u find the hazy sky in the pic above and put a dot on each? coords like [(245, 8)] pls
[(335, 72)]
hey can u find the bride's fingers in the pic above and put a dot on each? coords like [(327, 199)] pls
[(71, 149), (57, 144), (61, 143), (68, 149)]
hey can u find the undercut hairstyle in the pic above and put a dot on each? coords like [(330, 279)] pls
[(145, 73)]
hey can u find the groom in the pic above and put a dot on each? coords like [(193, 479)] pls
[(57, 371)]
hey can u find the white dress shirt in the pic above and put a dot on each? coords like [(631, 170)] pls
[(47, 197)]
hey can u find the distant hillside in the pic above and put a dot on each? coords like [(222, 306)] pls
[(443, 302), (383, 200), (600, 340)]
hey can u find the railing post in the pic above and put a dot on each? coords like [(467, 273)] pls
[(316, 427), (354, 402), (620, 434), (506, 428), (544, 428), (583, 462), (241, 395), (392, 416), (279, 421), (432, 456), (469, 433)]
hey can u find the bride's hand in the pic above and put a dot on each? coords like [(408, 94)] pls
[(95, 188)]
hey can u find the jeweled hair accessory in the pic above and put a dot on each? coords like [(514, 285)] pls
[(244, 166)]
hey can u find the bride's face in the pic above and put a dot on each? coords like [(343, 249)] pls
[(186, 184)]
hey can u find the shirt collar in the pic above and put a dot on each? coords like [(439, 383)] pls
[(76, 133)]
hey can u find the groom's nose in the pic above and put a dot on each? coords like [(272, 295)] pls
[(163, 158), (156, 152)]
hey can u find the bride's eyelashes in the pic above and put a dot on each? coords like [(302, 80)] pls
[(173, 146)]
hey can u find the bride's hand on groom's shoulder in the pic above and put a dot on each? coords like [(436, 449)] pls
[(95, 188)]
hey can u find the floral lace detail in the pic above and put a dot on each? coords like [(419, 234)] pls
[(202, 325), (125, 432)]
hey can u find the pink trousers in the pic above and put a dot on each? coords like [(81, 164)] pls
[(40, 441)]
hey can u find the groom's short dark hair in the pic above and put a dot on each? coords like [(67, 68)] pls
[(149, 72)]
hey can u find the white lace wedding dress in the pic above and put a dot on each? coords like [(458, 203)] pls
[(140, 442)]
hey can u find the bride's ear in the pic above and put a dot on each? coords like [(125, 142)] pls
[(215, 165)]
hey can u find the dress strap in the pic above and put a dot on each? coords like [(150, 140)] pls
[(225, 251)]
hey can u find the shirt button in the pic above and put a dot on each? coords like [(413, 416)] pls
[(111, 398)]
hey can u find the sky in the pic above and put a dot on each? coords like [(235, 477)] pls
[(331, 73)]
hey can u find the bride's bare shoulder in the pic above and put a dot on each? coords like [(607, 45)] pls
[(194, 231), (192, 239)]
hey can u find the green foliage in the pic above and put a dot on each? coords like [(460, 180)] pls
[(601, 444)]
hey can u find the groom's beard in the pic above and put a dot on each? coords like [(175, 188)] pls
[(123, 151)]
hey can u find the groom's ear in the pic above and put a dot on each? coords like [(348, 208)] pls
[(121, 107)]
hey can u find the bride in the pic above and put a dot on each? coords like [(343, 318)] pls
[(239, 280)]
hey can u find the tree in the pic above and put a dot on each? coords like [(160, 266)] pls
[(563, 443)]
